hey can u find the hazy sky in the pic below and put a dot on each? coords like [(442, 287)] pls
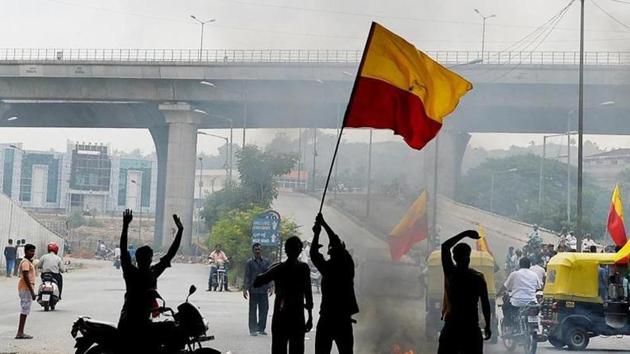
[(297, 24)]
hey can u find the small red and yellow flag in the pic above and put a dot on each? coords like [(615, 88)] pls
[(412, 228), (400, 88), (615, 224), (482, 242)]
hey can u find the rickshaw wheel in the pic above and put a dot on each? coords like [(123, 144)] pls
[(576, 338), (556, 342)]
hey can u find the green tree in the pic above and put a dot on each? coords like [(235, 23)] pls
[(233, 232), (516, 187)]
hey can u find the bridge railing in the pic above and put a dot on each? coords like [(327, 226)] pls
[(294, 56)]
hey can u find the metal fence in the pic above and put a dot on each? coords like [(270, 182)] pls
[(16, 223), (192, 56)]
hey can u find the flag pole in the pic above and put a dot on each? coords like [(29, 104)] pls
[(345, 116)]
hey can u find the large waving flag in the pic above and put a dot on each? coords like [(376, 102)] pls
[(400, 88), (412, 228), (615, 225)]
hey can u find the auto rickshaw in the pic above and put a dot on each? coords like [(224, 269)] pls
[(584, 297), (482, 262)]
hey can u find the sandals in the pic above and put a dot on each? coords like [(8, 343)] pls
[(23, 336)]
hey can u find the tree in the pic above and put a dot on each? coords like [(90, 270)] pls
[(257, 171), (233, 232), (516, 187)]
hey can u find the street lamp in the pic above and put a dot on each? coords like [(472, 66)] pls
[(492, 185), (230, 151), (140, 213), (202, 23), (483, 31), (227, 142)]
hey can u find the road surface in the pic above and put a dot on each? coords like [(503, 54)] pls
[(387, 316)]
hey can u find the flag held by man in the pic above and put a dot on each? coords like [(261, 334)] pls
[(412, 228), (615, 225), (399, 87)]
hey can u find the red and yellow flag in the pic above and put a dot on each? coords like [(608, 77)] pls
[(399, 87), (482, 242), (615, 225), (412, 228)]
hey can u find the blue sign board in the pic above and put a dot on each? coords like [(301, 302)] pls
[(266, 228)]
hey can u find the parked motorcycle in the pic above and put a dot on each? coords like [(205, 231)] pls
[(187, 325), (48, 293), (524, 331)]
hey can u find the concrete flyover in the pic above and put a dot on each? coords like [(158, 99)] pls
[(163, 91)]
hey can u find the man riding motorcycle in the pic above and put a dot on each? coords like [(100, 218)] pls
[(52, 264), (217, 258), (522, 286)]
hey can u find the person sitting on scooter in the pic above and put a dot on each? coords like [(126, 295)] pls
[(141, 287), (217, 258), (52, 264), (522, 286)]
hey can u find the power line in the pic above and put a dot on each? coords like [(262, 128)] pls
[(610, 15)]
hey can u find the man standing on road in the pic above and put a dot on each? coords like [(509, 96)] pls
[(339, 303), (9, 257), (465, 287), (26, 289), (258, 298), (292, 280), (19, 255)]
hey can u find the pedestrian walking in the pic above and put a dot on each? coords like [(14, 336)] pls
[(464, 287), (9, 257), (19, 255), (339, 302), (292, 280), (258, 297), (26, 289)]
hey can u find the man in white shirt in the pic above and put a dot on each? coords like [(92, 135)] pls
[(587, 243), (571, 241), (522, 286), (539, 270)]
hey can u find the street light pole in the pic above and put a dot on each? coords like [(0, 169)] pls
[(230, 151), (202, 23), (580, 130), (483, 31), (314, 157), (197, 224)]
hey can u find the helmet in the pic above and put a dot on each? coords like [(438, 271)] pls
[(53, 247)]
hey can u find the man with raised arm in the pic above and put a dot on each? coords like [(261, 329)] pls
[(141, 285), (464, 287), (339, 303)]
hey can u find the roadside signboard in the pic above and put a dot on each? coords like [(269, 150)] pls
[(266, 228)]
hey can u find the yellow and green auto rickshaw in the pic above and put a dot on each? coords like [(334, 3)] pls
[(480, 261), (586, 295)]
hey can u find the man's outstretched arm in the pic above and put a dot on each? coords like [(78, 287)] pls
[(447, 261), (172, 251), (485, 309), (332, 236), (316, 257), (125, 258)]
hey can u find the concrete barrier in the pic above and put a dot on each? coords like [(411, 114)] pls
[(16, 223)]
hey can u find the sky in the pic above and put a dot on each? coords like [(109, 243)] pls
[(300, 24)]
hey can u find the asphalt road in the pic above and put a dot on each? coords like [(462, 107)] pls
[(387, 316)]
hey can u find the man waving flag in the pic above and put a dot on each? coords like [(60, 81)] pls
[(400, 88)]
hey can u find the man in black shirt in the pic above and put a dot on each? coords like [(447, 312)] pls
[(338, 299), (141, 284), (292, 280), (258, 298), (464, 288)]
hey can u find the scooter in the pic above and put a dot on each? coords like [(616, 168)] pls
[(187, 327), (48, 294)]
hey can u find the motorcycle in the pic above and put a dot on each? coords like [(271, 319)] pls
[(187, 330), (219, 275), (524, 331), (48, 293), (116, 262)]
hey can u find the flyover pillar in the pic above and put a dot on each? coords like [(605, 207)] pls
[(451, 148), (176, 146)]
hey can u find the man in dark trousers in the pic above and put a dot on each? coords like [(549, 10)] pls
[(9, 257), (141, 294), (339, 303), (258, 298), (292, 280), (464, 288)]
